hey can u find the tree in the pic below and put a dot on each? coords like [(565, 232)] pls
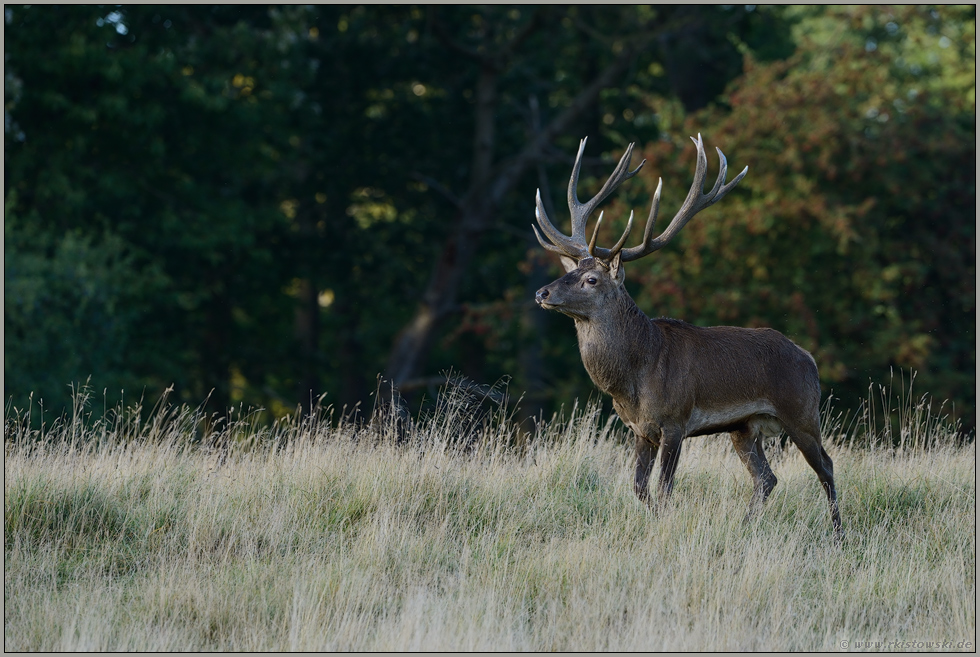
[(128, 131), (854, 231)]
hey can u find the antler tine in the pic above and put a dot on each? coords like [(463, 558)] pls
[(721, 179), (722, 172), (609, 254), (696, 194), (595, 233), (561, 243), (576, 169), (547, 245), (580, 211), (622, 240), (654, 210), (651, 221), (696, 201)]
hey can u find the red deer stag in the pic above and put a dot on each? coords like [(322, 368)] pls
[(669, 379)]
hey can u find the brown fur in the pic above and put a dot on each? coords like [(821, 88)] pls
[(670, 380)]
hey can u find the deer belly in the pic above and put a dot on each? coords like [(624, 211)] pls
[(725, 418)]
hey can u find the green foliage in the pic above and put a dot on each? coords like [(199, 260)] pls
[(71, 311), (247, 201), (148, 140)]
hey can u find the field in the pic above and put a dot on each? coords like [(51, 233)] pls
[(316, 535)]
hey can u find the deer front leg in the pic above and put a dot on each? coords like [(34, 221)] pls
[(671, 442), (646, 454)]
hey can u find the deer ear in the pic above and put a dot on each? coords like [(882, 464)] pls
[(616, 269), (570, 264)]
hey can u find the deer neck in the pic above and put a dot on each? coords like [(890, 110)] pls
[(616, 343)]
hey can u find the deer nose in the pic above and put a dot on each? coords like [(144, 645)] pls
[(542, 294)]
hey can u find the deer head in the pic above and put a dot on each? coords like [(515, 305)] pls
[(595, 274)]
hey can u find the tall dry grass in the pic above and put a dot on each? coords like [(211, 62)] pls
[(313, 535)]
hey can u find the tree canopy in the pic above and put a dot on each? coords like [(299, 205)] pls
[(262, 205)]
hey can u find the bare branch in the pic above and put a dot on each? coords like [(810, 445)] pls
[(510, 171), (495, 60), (437, 186), (507, 51), (440, 31)]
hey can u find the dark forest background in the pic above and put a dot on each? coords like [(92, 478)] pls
[(259, 205)]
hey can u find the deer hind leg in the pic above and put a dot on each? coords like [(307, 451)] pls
[(671, 441), (646, 454), (808, 442), (747, 441)]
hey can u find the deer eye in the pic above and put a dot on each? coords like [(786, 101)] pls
[(591, 280)]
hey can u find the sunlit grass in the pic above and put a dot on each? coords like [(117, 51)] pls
[(314, 536)]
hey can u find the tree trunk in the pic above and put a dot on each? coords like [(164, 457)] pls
[(215, 360), (412, 344), (307, 314), (349, 354), (307, 334), (533, 319)]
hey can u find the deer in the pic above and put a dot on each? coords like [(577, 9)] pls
[(670, 380)]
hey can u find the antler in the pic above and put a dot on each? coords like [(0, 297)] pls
[(575, 245), (695, 202)]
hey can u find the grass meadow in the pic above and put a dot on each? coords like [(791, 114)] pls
[(316, 534)]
